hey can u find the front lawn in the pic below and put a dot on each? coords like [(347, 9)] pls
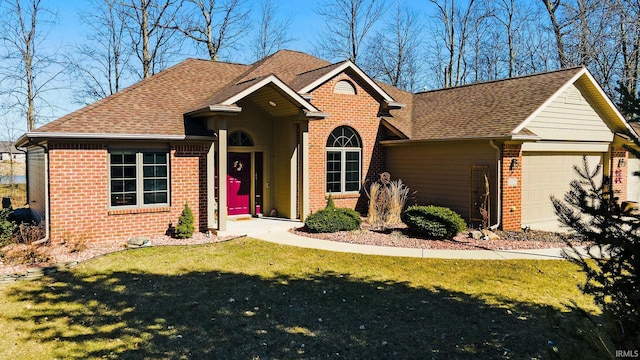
[(248, 299)]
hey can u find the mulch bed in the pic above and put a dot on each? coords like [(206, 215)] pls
[(400, 236)]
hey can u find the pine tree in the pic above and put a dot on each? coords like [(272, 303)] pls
[(629, 103), (612, 263), (185, 226)]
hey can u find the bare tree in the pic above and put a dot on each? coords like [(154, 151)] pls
[(628, 11), (151, 28), (101, 63), (553, 8), (273, 34), (394, 55), (27, 71), (214, 23), (457, 26), (347, 26)]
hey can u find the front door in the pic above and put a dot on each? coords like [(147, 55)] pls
[(239, 183)]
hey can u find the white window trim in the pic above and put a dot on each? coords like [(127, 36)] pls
[(343, 168), (140, 179)]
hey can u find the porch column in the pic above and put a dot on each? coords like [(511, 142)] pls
[(293, 173), (304, 193), (222, 175), (212, 206)]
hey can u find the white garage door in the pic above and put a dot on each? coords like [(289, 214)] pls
[(545, 174), (633, 189)]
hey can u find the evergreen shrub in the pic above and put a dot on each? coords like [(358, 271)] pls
[(433, 221), (331, 220), (185, 226)]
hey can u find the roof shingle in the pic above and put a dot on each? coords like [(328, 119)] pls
[(490, 109), (152, 106)]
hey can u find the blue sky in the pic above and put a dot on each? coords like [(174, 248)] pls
[(70, 31)]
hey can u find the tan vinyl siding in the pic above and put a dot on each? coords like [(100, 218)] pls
[(570, 117), (283, 150), (440, 174), (36, 196)]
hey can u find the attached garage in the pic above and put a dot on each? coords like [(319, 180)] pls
[(546, 174)]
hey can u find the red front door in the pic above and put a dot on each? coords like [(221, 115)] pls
[(239, 183)]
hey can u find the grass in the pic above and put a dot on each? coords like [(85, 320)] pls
[(248, 299)]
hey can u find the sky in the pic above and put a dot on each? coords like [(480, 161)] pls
[(69, 31)]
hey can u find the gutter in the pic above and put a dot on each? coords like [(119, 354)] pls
[(499, 184), (462, 138), (26, 138)]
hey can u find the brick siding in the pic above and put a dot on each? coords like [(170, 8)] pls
[(619, 172), (511, 193), (358, 111), (79, 195)]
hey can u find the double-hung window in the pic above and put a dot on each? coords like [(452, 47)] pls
[(139, 178), (344, 151)]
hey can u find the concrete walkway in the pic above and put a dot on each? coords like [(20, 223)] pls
[(277, 231)]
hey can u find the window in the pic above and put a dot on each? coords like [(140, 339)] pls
[(139, 179), (239, 138), (343, 160)]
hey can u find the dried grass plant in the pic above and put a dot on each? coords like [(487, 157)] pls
[(387, 199), (398, 195)]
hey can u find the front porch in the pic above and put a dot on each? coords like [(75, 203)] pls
[(259, 163)]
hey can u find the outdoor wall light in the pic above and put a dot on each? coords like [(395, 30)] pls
[(622, 162), (272, 103), (514, 164)]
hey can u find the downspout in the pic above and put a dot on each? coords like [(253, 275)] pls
[(499, 184), (46, 193)]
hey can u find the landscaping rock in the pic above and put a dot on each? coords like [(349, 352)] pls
[(138, 241), (490, 235)]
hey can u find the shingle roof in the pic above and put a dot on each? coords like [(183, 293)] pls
[(286, 64), (401, 118), (490, 109), (152, 106), (158, 105)]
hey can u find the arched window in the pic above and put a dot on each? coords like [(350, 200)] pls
[(239, 138), (344, 169)]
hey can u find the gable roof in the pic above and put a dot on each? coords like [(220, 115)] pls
[(490, 109), (296, 74), (158, 107), (495, 109)]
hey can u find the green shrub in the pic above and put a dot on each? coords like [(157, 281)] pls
[(330, 204), (332, 220), (185, 226), (433, 221), (7, 227)]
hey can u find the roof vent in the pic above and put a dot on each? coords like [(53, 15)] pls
[(344, 87)]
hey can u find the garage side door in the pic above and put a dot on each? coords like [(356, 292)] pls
[(633, 189), (545, 174)]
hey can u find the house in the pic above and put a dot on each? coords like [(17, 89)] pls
[(9, 152), (279, 135)]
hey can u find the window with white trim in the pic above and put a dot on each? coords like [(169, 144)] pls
[(138, 178), (344, 167)]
